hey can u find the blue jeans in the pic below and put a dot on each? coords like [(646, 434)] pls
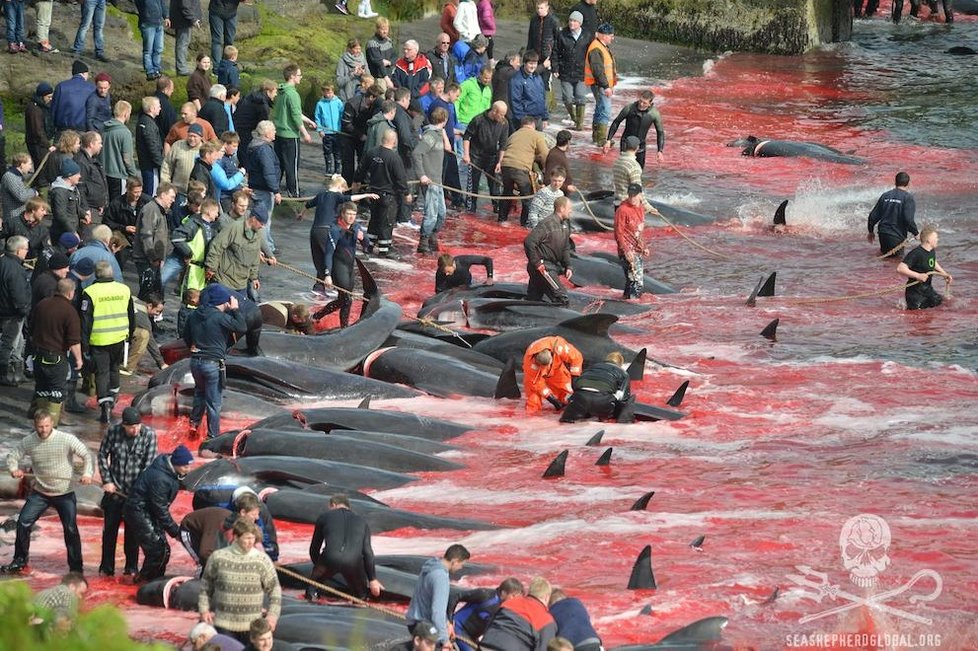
[(172, 267), (602, 106), (13, 13), (222, 34), (92, 11), (434, 210), (34, 507), (208, 394), (152, 48), (262, 203)]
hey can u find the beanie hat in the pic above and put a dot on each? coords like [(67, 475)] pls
[(78, 67), (218, 295), (196, 128), (84, 266), (632, 143), (606, 28), (43, 88), (634, 189), (69, 240), (576, 15), (69, 168), (131, 416), (103, 76), (181, 456), (58, 261), (479, 41), (262, 219)]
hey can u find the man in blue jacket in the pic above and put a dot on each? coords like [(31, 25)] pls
[(430, 599), (154, 15), (264, 174), (70, 97), (527, 95)]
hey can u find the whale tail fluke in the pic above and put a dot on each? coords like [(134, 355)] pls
[(642, 503), (636, 370), (596, 439), (767, 289), (779, 219), (770, 331), (506, 386), (642, 577), (605, 459), (556, 467), (677, 398)]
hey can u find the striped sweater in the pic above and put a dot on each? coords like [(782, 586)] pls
[(624, 172), (51, 460), (234, 585)]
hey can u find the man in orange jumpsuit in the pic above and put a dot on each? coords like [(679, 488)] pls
[(549, 366)]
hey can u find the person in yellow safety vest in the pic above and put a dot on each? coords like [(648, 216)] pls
[(549, 366), (191, 239), (108, 320), (601, 75)]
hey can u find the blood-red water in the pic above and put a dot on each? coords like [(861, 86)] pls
[(858, 407)]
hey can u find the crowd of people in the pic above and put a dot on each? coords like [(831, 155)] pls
[(184, 199)]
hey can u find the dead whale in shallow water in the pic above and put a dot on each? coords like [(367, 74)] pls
[(371, 420), (768, 148), (596, 213)]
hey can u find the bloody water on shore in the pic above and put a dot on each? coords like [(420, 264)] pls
[(858, 407)]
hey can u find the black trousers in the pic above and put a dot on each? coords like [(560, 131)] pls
[(487, 163), (34, 507), (342, 275), (380, 230), (871, 7), (450, 178), (515, 179), (352, 153), (50, 376), (889, 241), (113, 505), (921, 297), (107, 361), (537, 287), (152, 540), (317, 246), (898, 9), (603, 406), (287, 150)]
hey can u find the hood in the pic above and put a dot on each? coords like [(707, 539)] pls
[(61, 183), (378, 117), (162, 464), (114, 125), (433, 565), (257, 142)]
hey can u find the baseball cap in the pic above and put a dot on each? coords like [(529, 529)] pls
[(197, 129), (426, 631)]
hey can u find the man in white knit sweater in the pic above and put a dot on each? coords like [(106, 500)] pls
[(235, 583), (51, 452)]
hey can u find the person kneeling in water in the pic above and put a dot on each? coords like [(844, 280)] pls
[(602, 391), (920, 265), (454, 271)]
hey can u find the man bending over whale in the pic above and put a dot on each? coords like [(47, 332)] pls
[(603, 391), (894, 213), (453, 271), (341, 545), (549, 366)]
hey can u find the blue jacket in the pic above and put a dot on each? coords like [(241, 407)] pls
[(208, 331), (527, 96), (430, 599), (228, 73), (152, 12), (226, 181), (263, 169), (342, 243), (328, 114), (96, 252), (68, 105), (468, 62)]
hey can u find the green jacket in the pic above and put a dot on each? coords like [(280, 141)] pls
[(287, 112), (473, 100), (233, 255), (118, 158)]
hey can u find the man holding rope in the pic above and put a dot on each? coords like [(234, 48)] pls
[(894, 213), (920, 265), (51, 452)]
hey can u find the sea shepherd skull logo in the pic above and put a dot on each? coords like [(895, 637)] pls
[(865, 546)]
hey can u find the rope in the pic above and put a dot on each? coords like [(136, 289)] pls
[(852, 297), (474, 166), (597, 221), (40, 167), (425, 322), (895, 249), (356, 600), (691, 240), (467, 193)]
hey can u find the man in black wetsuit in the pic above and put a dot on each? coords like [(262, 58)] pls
[(917, 267), (453, 271), (339, 261), (602, 391), (639, 117), (347, 550), (894, 212)]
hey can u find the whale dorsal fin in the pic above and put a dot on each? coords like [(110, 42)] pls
[(605, 459), (556, 467), (779, 219), (770, 331), (767, 289), (507, 386), (677, 397), (642, 502), (636, 370), (596, 439), (642, 577)]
